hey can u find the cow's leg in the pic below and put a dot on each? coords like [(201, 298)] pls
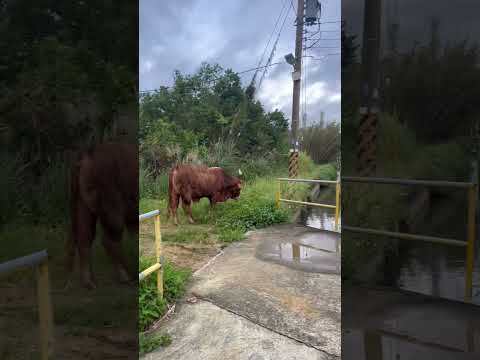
[(85, 235), (212, 207), (187, 207), (112, 242), (175, 198)]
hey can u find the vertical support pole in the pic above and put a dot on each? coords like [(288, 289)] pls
[(44, 311), (369, 92), (277, 195), (337, 203), (471, 226), (297, 73), (158, 245)]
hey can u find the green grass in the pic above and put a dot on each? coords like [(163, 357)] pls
[(151, 307), (253, 210), (148, 343)]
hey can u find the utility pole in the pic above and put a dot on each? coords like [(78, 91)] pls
[(369, 108), (297, 74)]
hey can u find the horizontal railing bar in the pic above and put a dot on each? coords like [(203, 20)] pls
[(308, 181), (308, 203), (413, 340), (374, 180), (405, 236), (22, 262), (149, 215), (149, 271)]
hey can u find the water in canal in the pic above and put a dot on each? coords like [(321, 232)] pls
[(426, 268)]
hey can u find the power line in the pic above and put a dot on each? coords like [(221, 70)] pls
[(273, 50), (310, 39), (323, 56), (215, 79), (293, 7), (244, 71), (269, 39)]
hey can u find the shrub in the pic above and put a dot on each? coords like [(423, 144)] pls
[(151, 307)]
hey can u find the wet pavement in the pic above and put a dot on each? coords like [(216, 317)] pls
[(312, 252), (283, 298)]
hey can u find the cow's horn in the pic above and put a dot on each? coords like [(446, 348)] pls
[(239, 172)]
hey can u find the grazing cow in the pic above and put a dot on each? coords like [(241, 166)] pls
[(191, 183), (103, 188)]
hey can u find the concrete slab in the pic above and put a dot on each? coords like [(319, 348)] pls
[(303, 305), (407, 325), (203, 331)]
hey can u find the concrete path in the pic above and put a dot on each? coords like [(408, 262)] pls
[(275, 295)]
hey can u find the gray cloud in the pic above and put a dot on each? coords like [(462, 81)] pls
[(182, 34)]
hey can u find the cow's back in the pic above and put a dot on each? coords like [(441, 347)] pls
[(199, 181)]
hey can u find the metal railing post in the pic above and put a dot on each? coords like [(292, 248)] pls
[(337, 203), (471, 226), (158, 244), (44, 310), (277, 196)]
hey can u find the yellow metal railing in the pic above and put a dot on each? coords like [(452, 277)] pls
[(157, 267), (471, 220), (39, 261), (278, 195)]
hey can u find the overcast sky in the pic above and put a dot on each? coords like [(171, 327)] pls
[(233, 33)]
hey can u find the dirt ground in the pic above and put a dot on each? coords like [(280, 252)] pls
[(97, 324), (186, 245)]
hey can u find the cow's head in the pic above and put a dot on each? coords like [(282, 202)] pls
[(233, 191)]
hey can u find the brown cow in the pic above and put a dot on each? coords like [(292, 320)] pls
[(190, 183), (103, 188)]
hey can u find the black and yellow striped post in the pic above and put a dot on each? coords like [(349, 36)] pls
[(367, 144), (293, 164)]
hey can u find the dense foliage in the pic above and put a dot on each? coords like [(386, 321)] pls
[(65, 75), (203, 115)]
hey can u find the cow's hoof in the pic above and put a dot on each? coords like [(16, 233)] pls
[(191, 221)]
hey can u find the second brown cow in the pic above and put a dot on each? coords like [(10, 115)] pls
[(190, 183)]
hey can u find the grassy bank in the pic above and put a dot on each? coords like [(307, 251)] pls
[(232, 219)]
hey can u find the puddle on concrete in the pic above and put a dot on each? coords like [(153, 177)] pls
[(313, 252)]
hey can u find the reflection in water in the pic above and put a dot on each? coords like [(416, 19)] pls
[(431, 269), (425, 268), (319, 218), (313, 252)]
